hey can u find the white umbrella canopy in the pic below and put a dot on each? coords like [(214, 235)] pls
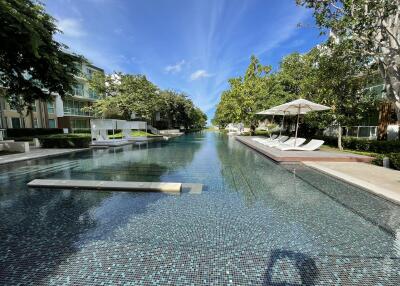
[(299, 106)]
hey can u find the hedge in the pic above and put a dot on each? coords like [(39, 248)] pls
[(258, 133), (81, 131), (65, 141), (394, 159), (363, 144), (32, 132)]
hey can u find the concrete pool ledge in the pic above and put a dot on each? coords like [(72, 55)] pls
[(107, 185), (298, 156), (380, 181), (38, 153)]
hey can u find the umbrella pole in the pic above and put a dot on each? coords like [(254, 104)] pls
[(273, 121), (297, 125)]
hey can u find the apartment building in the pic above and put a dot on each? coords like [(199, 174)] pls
[(70, 111), (42, 116), (59, 113)]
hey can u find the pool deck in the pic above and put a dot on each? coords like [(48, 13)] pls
[(299, 156), (381, 181), (36, 153)]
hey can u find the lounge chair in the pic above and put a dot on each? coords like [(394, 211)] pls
[(292, 142), (310, 146), (273, 137), (275, 142)]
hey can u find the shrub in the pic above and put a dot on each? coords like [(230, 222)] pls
[(81, 131), (358, 144), (394, 159), (31, 132), (258, 133), (65, 141)]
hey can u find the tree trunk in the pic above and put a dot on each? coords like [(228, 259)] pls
[(384, 119), (391, 77), (339, 137)]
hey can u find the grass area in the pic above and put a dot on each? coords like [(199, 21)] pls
[(334, 149), (133, 134), (2, 153), (377, 156)]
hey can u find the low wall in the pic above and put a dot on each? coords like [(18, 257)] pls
[(21, 147), (170, 131)]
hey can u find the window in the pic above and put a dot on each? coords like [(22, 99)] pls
[(16, 122), (35, 123), (78, 90), (89, 73), (52, 123), (50, 107), (80, 123), (34, 106), (92, 94)]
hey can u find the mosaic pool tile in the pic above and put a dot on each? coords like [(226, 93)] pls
[(256, 223)]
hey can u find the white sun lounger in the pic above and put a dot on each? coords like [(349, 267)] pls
[(310, 146), (292, 142), (278, 141), (273, 137)]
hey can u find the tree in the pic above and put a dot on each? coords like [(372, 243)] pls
[(124, 94), (373, 29), (245, 95), (32, 64), (337, 79)]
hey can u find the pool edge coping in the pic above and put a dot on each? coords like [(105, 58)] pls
[(17, 160), (364, 185)]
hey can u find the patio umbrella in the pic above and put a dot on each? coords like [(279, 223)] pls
[(299, 106)]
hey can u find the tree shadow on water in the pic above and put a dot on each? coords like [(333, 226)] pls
[(304, 265)]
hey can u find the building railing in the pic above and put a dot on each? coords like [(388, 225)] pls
[(76, 111), (370, 132)]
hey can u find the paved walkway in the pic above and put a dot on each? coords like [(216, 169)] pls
[(378, 180), (36, 153)]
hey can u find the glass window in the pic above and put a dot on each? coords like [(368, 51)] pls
[(16, 122), (92, 94), (50, 107), (34, 106), (52, 123), (78, 90), (35, 123), (80, 123)]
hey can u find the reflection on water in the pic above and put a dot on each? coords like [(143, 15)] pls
[(256, 223)]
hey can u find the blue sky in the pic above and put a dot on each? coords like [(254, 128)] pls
[(192, 46)]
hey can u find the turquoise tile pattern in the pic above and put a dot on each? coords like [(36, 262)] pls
[(255, 223)]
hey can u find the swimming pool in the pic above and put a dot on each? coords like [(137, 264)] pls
[(255, 223)]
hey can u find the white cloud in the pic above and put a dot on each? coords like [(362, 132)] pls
[(118, 31), (199, 74), (71, 27), (175, 68)]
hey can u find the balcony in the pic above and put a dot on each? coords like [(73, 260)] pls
[(75, 111)]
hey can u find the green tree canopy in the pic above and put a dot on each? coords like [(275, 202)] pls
[(125, 94), (32, 64), (325, 75), (370, 28)]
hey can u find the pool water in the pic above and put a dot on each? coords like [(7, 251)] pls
[(255, 223)]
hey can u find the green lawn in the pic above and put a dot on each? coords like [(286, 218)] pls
[(377, 157), (133, 134), (2, 153), (334, 149)]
